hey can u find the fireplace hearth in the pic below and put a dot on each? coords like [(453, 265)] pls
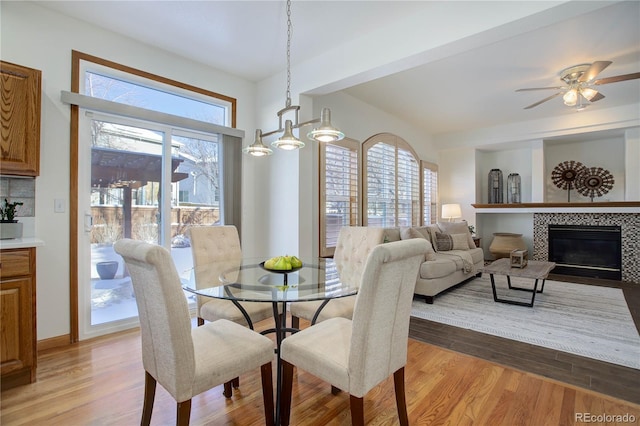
[(586, 250)]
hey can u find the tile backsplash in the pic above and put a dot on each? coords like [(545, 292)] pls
[(22, 190)]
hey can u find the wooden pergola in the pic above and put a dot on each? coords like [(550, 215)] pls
[(113, 168)]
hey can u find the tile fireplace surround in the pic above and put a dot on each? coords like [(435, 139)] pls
[(628, 222)]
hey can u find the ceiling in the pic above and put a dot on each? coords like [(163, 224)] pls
[(468, 90)]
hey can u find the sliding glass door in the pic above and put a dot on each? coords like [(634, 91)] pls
[(142, 181)]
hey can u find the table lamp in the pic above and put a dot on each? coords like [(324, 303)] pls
[(451, 211)]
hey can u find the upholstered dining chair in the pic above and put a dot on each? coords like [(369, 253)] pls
[(220, 244), (186, 361), (352, 249), (356, 355)]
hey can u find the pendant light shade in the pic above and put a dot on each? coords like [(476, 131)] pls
[(325, 132), (288, 141), (258, 148)]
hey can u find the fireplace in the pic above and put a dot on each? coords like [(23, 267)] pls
[(586, 250)]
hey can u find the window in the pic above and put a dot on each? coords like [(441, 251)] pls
[(429, 192), (338, 191), (391, 182)]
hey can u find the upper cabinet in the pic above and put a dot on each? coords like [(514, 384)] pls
[(21, 98)]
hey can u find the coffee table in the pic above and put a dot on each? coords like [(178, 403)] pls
[(536, 270)]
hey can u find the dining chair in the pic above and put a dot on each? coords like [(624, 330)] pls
[(352, 249), (187, 361), (216, 249), (356, 355)]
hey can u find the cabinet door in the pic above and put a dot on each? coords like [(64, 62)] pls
[(16, 351), (20, 113)]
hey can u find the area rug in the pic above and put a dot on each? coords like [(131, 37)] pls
[(584, 320)]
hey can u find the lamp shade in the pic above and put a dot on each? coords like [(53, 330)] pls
[(288, 141), (450, 211), (325, 132), (571, 97), (258, 148)]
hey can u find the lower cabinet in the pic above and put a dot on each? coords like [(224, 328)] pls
[(18, 352)]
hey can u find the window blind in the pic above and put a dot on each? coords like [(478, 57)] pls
[(339, 191)]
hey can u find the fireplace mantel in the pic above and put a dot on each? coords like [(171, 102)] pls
[(596, 207)]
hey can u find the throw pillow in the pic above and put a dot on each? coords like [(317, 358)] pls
[(444, 242), (409, 233), (458, 228), (460, 242)]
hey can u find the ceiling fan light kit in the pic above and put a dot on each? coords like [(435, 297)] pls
[(288, 141), (579, 89)]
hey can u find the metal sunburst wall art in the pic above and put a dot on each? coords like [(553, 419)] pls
[(565, 175), (595, 182)]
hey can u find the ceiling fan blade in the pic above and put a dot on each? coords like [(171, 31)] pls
[(617, 78), (597, 97), (544, 100), (540, 88), (596, 68)]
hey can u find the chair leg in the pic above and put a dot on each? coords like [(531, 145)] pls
[(228, 392), (285, 395), (334, 390), (295, 322), (267, 393), (200, 321), (357, 410), (236, 383), (401, 402), (149, 396), (184, 413)]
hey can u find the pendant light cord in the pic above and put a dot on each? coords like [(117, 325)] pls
[(288, 53)]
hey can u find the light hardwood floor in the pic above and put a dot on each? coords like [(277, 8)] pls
[(101, 382)]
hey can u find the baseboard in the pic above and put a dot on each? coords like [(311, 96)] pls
[(54, 342)]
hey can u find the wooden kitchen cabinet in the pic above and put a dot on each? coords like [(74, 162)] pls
[(18, 351), (20, 113)]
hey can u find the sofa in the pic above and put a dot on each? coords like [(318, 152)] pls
[(451, 259)]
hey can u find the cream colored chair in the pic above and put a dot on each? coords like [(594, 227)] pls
[(186, 361), (356, 355), (220, 244), (352, 249)]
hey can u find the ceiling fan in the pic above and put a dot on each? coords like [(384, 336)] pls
[(580, 84)]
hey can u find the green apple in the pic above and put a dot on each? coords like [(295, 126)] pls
[(295, 262), (282, 264), (270, 264)]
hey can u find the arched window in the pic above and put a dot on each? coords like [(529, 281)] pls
[(391, 183)]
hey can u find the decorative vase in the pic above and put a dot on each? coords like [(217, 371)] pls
[(504, 242), (495, 186), (513, 188), (107, 270)]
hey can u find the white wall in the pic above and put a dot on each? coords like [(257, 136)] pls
[(35, 37)]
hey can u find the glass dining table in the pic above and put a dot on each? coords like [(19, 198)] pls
[(247, 280)]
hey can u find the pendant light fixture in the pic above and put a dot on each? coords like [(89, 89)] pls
[(288, 141)]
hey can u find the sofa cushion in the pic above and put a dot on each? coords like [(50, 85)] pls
[(458, 228), (438, 268), (446, 263), (391, 234), (409, 233)]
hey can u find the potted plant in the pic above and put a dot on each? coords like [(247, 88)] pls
[(9, 226)]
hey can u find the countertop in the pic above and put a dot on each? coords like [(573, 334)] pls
[(24, 242)]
